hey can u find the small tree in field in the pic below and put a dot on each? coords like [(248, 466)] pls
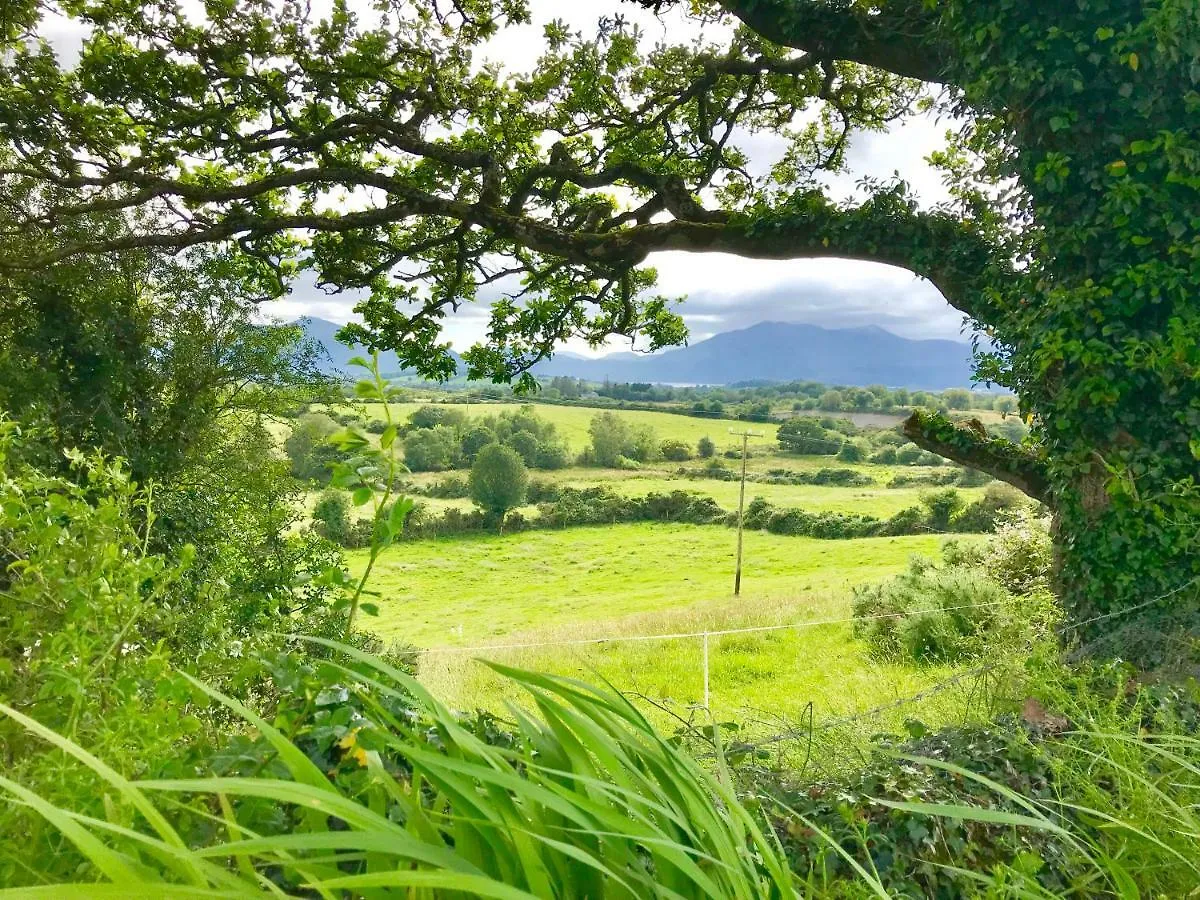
[(705, 448), (331, 515), (498, 481)]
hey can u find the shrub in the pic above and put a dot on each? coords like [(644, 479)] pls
[(705, 448), (942, 507), (805, 435), (552, 454), (428, 417), (929, 615), (498, 481), (376, 426), (331, 516), (610, 436), (853, 452), (526, 446), (984, 514), (308, 448), (885, 456), (1020, 555), (908, 454), (430, 449), (475, 440), (452, 487), (675, 451)]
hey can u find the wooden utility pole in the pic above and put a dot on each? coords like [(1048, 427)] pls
[(745, 436)]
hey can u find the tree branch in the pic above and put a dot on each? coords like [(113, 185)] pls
[(899, 38), (997, 457)]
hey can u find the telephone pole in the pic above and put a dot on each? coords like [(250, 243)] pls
[(745, 436)]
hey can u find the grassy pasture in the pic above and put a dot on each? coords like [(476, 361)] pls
[(572, 422), (482, 590)]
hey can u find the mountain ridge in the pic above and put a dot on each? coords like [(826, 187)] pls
[(765, 351)]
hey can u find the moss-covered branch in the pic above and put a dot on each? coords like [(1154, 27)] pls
[(971, 447)]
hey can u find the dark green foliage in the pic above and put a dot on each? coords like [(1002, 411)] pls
[(430, 449), (308, 447), (942, 507), (930, 615), (985, 513), (498, 481), (705, 448), (853, 452), (475, 440), (805, 435), (675, 451), (452, 487), (433, 416), (331, 516), (525, 445)]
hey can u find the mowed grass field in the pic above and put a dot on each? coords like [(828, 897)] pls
[(469, 598)]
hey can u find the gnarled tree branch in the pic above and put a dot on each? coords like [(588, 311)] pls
[(899, 38), (997, 457)]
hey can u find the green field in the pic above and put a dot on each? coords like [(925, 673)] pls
[(457, 595), (877, 501), (572, 422)]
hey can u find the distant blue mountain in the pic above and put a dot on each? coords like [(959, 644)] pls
[(338, 355), (768, 351), (787, 351)]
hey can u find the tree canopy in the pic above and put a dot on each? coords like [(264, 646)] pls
[(379, 150)]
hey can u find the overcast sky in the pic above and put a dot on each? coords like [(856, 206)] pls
[(723, 292)]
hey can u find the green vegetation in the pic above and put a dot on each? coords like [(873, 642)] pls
[(1004, 716), (498, 481), (551, 578)]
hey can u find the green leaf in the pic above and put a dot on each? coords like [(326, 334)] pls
[(1103, 33), (359, 361), (399, 512), (388, 437), (369, 609), (367, 390), (361, 496)]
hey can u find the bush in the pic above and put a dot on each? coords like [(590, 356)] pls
[(985, 513), (475, 440), (853, 452), (610, 436), (452, 487), (331, 516), (308, 447), (942, 507), (430, 449), (908, 454), (552, 454), (929, 615), (885, 456), (376, 426), (805, 435), (705, 448), (1020, 554), (526, 446), (675, 451), (498, 481), (428, 417)]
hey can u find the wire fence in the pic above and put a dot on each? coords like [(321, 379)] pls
[(980, 682)]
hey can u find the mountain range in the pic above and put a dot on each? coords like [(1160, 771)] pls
[(768, 351)]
